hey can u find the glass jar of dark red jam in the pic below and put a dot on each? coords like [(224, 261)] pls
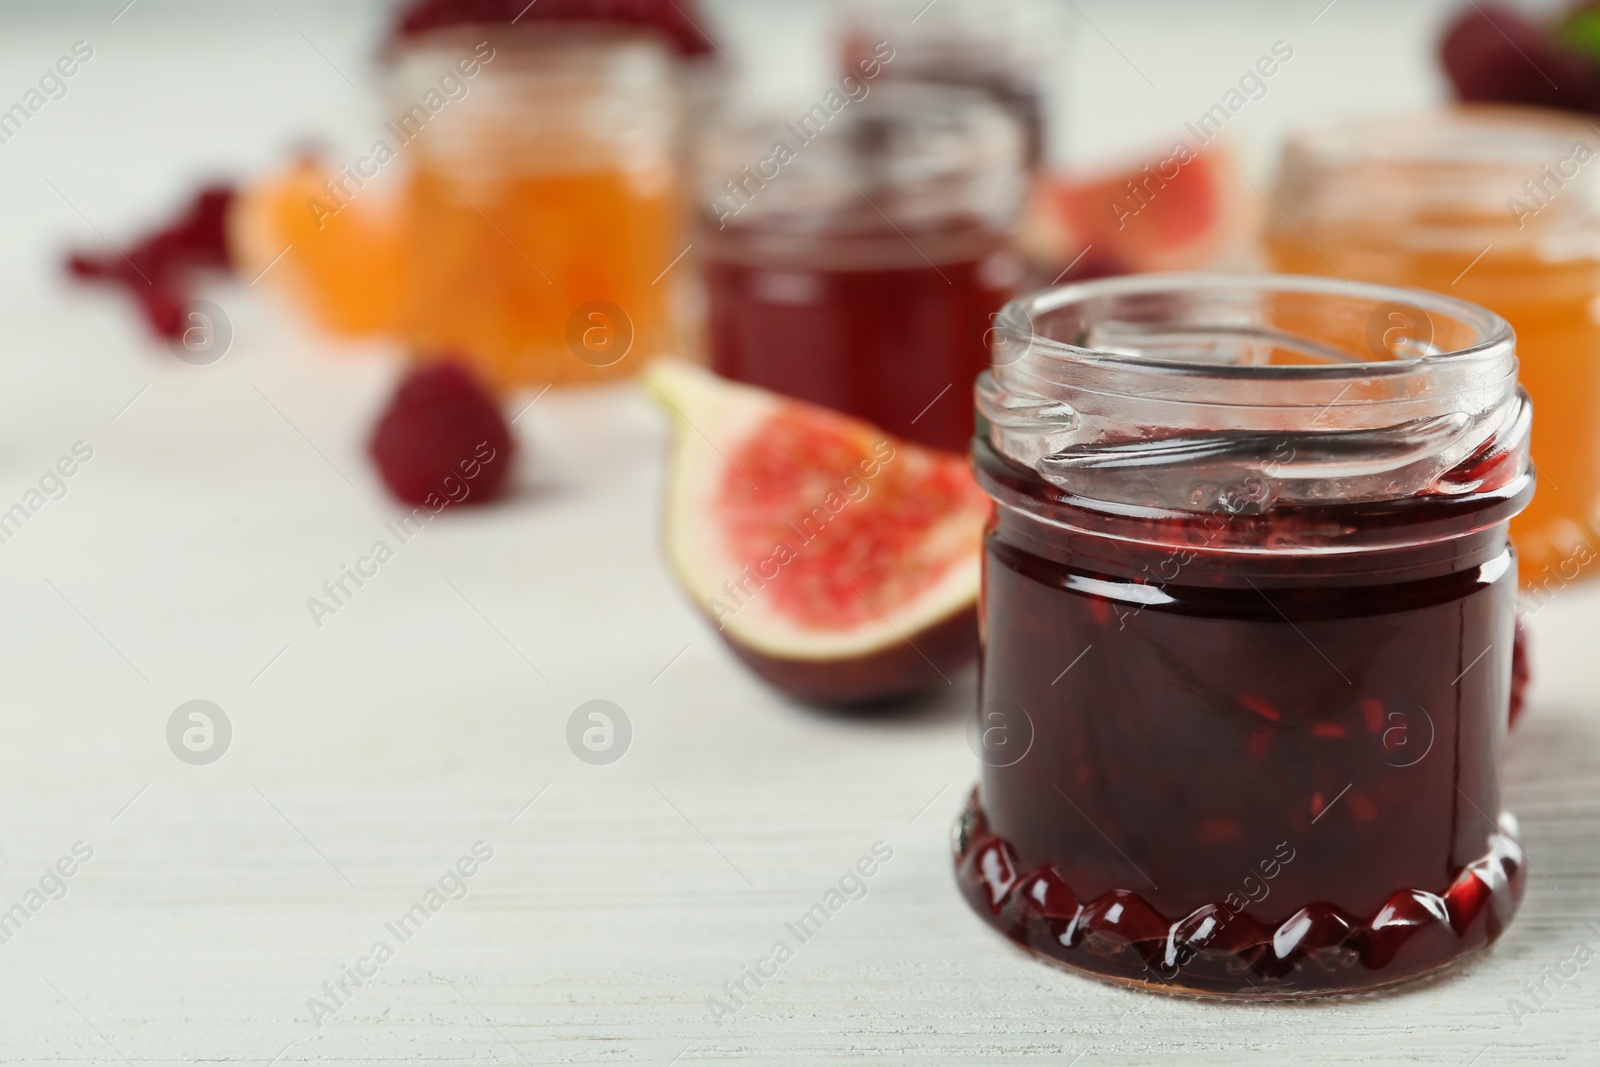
[(857, 252), (1247, 616)]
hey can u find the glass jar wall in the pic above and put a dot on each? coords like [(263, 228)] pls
[(856, 257), (545, 205)]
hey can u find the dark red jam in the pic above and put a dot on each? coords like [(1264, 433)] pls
[(1227, 772), (893, 333)]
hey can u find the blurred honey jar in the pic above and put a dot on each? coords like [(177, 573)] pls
[(1497, 206), (519, 209), (544, 208)]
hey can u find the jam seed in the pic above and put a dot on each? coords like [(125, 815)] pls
[(1329, 729), (1260, 707), (1218, 832), (1363, 809), (1372, 712), (1316, 804), (1260, 742)]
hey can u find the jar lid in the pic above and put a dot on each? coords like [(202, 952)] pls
[(671, 21)]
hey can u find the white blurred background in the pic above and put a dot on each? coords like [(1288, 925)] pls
[(228, 87), (397, 734)]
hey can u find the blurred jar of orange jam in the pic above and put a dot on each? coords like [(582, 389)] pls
[(542, 199), (1497, 206)]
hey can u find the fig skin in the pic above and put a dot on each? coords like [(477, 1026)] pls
[(899, 670)]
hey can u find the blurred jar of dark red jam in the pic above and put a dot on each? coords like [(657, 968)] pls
[(857, 251), (1248, 621)]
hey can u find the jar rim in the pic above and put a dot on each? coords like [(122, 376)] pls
[(1446, 180), (901, 156), (1016, 325), (535, 39), (1465, 134), (1238, 391)]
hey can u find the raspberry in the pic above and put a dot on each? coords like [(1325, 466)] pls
[(677, 20), (442, 438)]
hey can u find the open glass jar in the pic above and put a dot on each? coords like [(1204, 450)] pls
[(856, 253), (1500, 206), (543, 197), (1247, 616)]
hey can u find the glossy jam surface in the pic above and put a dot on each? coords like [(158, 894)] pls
[(1551, 305), (889, 336), (1239, 775)]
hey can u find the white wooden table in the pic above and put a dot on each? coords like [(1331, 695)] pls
[(370, 754)]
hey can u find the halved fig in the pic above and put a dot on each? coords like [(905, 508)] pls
[(839, 563)]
